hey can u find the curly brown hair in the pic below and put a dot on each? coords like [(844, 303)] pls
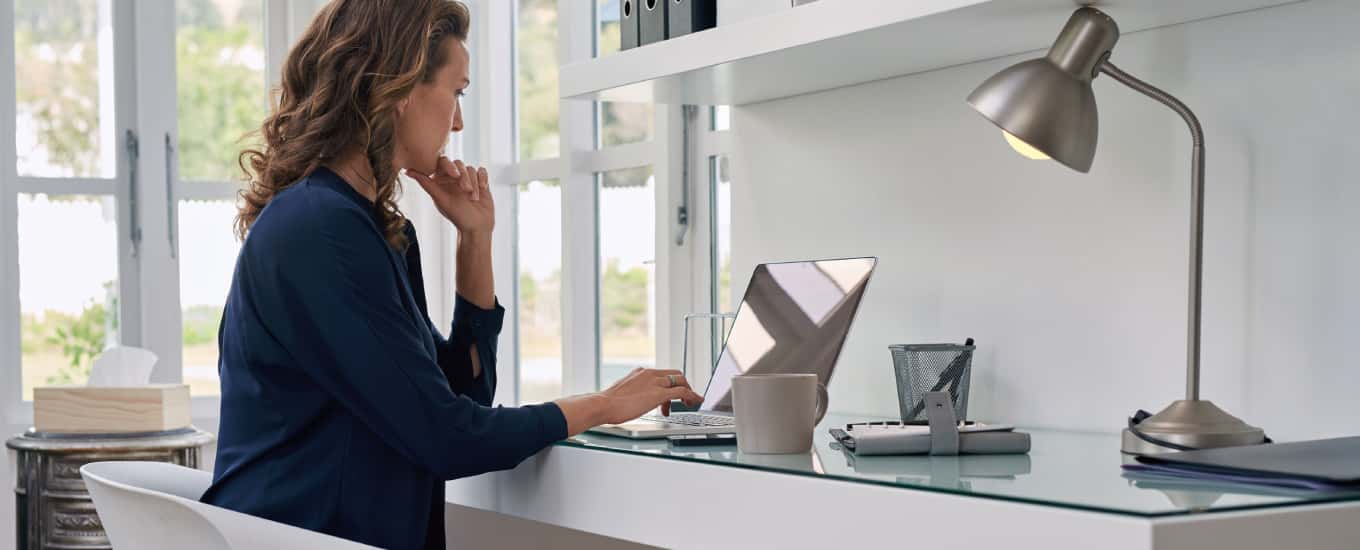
[(342, 82)]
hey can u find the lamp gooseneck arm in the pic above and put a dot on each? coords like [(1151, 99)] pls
[(1196, 217)]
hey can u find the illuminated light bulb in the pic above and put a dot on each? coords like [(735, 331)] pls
[(1024, 148)]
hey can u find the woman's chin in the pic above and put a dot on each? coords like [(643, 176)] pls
[(425, 167)]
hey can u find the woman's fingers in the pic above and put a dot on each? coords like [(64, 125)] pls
[(447, 166), (675, 386), (685, 394), (464, 176), (425, 182), (672, 380), (455, 175), (482, 185)]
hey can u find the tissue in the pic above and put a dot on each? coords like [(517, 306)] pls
[(122, 367)]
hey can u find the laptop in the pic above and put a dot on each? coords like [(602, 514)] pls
[(793, 319)]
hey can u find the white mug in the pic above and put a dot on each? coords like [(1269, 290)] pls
[(776, 413)]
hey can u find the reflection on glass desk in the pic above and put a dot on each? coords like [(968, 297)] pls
[(1065, 469)]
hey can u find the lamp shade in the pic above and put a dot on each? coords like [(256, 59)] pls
[(1048, 102), (1044, 107)]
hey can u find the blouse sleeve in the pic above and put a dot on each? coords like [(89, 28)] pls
[(472, 326)]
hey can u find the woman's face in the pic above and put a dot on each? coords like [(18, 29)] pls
[(431, 112)]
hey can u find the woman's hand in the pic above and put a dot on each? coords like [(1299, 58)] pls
[(641, 391), (462, 195)]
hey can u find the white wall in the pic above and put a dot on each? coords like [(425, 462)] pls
[(1074, 285)]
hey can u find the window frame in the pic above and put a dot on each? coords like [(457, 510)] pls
[(145, 62), (682, 270), (145, 104), (13, 408)]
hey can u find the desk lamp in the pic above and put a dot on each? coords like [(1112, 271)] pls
[(1046, 109)]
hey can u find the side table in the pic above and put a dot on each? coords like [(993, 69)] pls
[(53, 507)]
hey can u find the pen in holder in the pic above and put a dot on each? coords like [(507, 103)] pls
[(924, 368)]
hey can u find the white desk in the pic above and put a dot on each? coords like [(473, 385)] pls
[(1068, 493)]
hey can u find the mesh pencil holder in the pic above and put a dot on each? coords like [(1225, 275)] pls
[(922, 368)]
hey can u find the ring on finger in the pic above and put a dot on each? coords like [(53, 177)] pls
[(670, 381)]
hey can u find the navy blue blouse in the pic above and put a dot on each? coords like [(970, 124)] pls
[(343, 408)]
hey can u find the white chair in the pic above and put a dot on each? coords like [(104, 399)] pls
[(154, 506)]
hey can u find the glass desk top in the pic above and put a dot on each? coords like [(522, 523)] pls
[(1065, 469)]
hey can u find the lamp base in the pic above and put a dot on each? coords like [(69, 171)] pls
[(1198, 423)]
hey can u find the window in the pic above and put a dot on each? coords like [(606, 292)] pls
[(220, 85), (221, 99), (64, 88), (90, 256), (607, 31), (536, 63), (720, 118), (626, 219), (618, 123), (207, 262), (623, 123), (539, 316), (67, 219), (68, 285), (582, 162), (721, 180), (720, 260)]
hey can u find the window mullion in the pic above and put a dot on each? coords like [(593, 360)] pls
[(72, 186), (11, 377), (491, 105), (276, 42), (580, 311), (675, 286), (151, 73), (701, 259), (130, 328), (617, 157)]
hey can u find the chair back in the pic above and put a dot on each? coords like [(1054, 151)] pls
[(140, 505), (154, 506)]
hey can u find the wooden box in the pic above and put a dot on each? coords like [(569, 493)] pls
[(79, 409)]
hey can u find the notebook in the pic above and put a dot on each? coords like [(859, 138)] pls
[(1326, 462), (868, 440)]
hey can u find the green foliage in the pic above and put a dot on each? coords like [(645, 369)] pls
[(81, 339), (201, 324), (536, 74), (220, 81), (623, 299), (56, 80), (528, 292), (221, 97), (626, 177)]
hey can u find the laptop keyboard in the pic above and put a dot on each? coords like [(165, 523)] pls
[(693, 419)]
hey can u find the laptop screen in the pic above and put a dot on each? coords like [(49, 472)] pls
[(793, 319)]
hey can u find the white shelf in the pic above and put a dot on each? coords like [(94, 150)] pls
[(833, 43)]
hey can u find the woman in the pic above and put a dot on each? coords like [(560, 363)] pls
[(343, 408)]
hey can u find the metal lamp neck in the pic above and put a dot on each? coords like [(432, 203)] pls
[(1085, 41), (1196, 218)]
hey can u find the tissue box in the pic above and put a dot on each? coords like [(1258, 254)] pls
[(79, 409)]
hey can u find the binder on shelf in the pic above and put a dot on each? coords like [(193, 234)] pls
[(628, 24), (651, 20), (690, 16)]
